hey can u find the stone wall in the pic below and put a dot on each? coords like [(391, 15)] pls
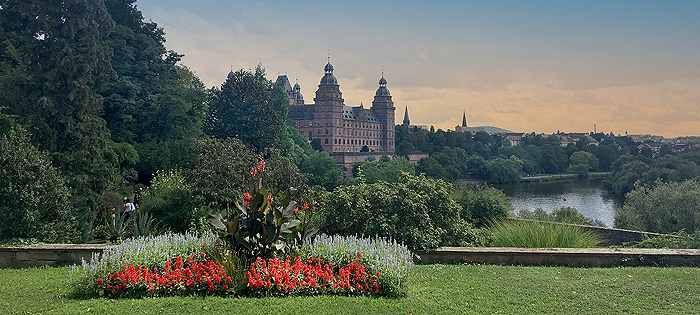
[(47, 254), (599, 257)]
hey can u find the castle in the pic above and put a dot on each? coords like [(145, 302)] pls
[(338, 127)]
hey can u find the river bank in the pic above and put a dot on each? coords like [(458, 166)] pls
[(563, 177)]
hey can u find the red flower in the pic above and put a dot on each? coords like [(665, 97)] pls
[(305, 206), (99, 281), (246, 198), (269, 199)]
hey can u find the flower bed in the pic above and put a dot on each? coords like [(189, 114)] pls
[(312, 277), (204, 277)]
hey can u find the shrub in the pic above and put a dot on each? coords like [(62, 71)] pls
[(562, 215), (678, 240), (481, 204), (416, 210), (171, 202), (35, 200), (393, 260), (263, 224), (541, 235), (666, 208), (150, 251)]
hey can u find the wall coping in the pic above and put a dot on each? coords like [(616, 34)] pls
[(562, 256)]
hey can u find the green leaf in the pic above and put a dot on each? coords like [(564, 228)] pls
[(293, 223), (217, 221), (289, 211), (232, 227), (310, 232)]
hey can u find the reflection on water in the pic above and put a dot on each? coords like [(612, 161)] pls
[(587, 196)]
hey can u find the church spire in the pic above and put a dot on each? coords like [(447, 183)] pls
[(464, 119), (406, 121)]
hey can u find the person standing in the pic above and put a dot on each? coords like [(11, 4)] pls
[(129, 207)]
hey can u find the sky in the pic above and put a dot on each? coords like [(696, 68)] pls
[(526, 66)]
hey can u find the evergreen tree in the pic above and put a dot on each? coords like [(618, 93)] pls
[(248, 107), (153, 104), (61, 63)]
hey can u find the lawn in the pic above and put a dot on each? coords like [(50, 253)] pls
[(448, 289)]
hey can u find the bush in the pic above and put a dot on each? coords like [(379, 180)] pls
[(562, 215), (541, 235), (393, 260), (219, 170), (171, 202), (678, 240), (481, 204), (416, 210), (150, 251), (35, 199), (666, 208)]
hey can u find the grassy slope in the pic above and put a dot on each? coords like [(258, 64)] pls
[(433, 289)]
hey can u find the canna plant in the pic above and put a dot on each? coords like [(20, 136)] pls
[(262, 225)]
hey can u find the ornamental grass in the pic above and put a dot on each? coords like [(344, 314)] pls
[(541, 235)]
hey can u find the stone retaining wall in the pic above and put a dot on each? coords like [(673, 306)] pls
[(47, 254), (562, 256)]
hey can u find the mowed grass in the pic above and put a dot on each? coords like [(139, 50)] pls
[(433, 289)]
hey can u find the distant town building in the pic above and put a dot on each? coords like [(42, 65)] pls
[(465, 128), (338, 127), (574, 137), (515, 137)]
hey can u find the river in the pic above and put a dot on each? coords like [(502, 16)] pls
[(587, 196)]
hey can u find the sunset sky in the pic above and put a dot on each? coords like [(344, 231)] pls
[(542, 66)]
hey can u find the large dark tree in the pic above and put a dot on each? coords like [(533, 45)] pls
[(57, 63), (248, 107), (153, 104)]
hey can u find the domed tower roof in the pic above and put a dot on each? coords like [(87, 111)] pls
[(382, 90), (329, 78)]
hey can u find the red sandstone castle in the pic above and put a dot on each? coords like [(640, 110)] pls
[(338, 127)]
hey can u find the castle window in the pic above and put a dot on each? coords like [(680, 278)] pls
[(335, 141), (326, 131), (326, 141)]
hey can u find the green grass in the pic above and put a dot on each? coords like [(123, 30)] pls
[(432, 289), (541, 235)]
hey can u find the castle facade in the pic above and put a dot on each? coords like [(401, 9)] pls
[(338, 127)]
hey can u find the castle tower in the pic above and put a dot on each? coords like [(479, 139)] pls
[(296, 92), (383, 106), (406, 121), (328, 112), (464, 119)]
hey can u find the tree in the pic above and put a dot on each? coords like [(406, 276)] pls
[(324, 170), (250, 108), (385, 169), (588, 160), (553, 158), (504, 170), (152, 104), (481, 204), (60, 62), (34, 195), (431, 167), (665, 208)]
